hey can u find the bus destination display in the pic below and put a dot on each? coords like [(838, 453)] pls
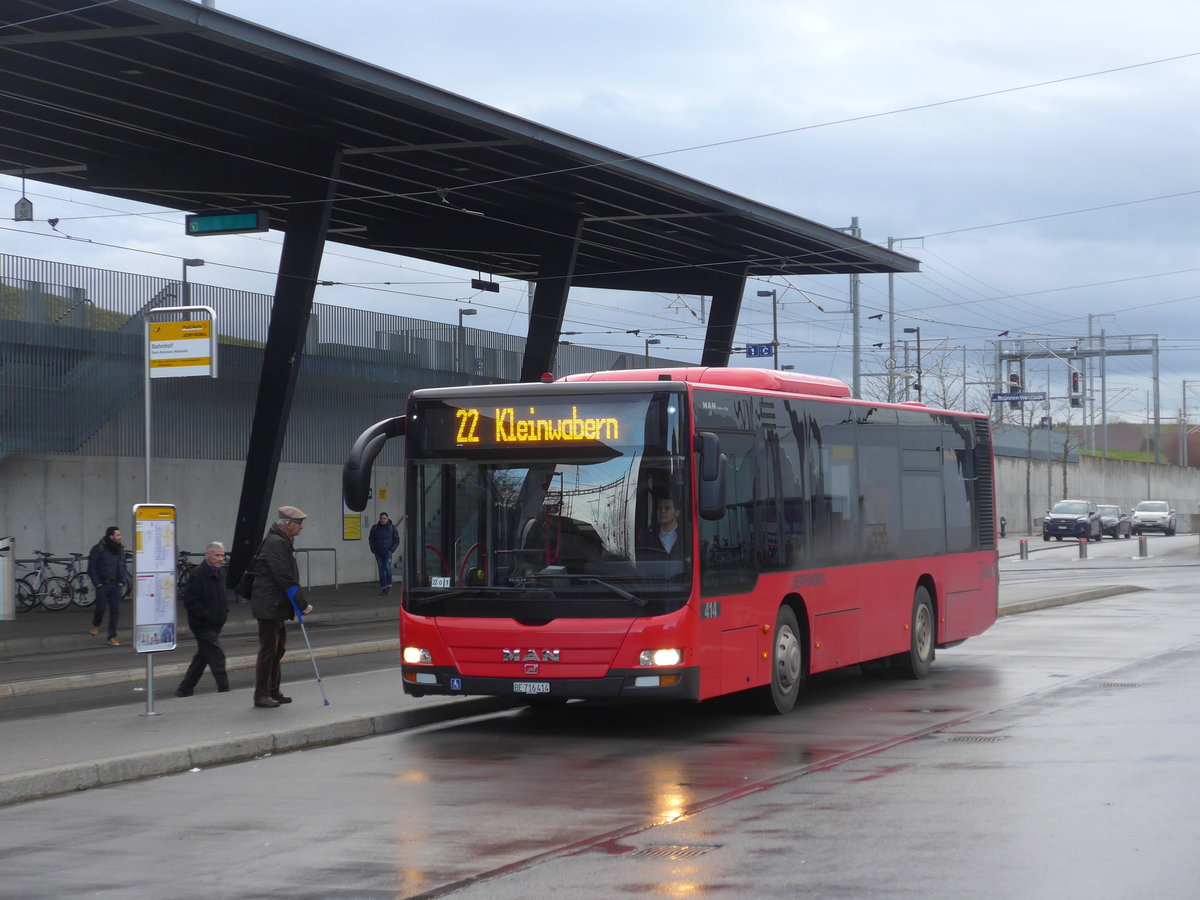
[(499, 426)]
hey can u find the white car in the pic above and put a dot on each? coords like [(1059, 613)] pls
[(1154, 515)]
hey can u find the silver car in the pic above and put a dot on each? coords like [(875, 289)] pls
[(1154, 515)]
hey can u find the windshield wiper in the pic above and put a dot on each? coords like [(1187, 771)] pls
[(481, 590), (592, 579)]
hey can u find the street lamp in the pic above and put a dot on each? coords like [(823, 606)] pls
[(774, 326), (462, 336), (650, 341), (917, 332), (186, 300)]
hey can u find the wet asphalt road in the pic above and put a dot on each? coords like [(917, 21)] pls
[(1055, 756)]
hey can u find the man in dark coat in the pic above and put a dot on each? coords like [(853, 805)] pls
[(106, 569), (383, 540), (663, 541), (207, 607), (275, 599)]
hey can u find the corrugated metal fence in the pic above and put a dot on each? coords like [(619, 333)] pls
[(72, 357)]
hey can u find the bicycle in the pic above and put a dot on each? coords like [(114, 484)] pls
[(128, 592), (78, 581), (183, 570), (42, 586)]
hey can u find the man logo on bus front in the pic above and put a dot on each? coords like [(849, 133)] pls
[(531, 656)]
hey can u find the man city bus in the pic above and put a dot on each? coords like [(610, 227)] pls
[(683, 533)]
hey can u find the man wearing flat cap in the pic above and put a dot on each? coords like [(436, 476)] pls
[(276, 597)]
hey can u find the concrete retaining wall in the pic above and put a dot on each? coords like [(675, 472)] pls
[(63, 503), (1105, 481)]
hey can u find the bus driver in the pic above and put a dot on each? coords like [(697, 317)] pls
[(664, 540)]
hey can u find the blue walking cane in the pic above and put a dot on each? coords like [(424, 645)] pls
[(291, 595)]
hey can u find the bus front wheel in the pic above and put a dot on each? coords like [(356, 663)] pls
[(787, 664), (917, 662)]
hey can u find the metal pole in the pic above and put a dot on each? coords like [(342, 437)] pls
[(856, 354), (1157, 417), (1148, 494), (1103, 395), (1049, 453), (774, 326), (963, 405), (891, 330), (775, 332), (146, 398), (920, 374), (146, 391), (1183, 450)]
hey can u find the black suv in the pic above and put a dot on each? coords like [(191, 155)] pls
[(1072, 519), (1115, 521)]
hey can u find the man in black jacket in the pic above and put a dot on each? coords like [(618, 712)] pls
[(106, 569), (207, 607), (383, 540), (275, 599)]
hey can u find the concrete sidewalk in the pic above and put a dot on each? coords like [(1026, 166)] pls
[(72, 751), (46, 651)]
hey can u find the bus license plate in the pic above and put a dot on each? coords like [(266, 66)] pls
[(531, 687)]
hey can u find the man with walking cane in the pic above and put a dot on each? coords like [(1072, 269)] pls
[(276, 597)]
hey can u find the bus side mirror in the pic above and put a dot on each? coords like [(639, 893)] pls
[(356, 473), (711, 466)]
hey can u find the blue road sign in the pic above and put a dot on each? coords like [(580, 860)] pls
[(1024, 397), (757, 351)]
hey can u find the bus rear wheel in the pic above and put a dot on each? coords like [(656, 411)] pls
[(917, 662), (787, 665)]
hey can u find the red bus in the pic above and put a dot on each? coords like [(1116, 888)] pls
[(682, 534)]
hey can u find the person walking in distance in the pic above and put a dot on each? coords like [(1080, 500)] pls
[(207, 607), (106, 569), (383, 540), (274, 600)]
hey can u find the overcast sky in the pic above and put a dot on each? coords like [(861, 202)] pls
[(1045, 153)]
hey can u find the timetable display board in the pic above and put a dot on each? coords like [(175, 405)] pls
[(154, 623)]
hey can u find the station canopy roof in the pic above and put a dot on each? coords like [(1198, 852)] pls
[(181, 106)]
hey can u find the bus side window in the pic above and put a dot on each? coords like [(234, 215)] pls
[(729, 544)]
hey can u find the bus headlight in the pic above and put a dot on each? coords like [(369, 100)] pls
[(669, 657), (415, 655)]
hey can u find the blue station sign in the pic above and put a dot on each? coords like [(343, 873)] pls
[(1023, 397)]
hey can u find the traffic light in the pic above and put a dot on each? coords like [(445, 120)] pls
[(1014, 387), (1076, 392)]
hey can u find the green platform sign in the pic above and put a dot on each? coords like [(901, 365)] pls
[(199, 224)]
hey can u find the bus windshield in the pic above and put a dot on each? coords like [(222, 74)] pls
[(559, 506)]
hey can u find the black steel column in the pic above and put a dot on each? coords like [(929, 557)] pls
[(722, 318), (549, 304), (299, 267)]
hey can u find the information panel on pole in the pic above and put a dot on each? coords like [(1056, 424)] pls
[(180, 349), (154, 627)]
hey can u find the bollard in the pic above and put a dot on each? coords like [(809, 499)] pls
[(1142, 554), (1083, 542), (1024, 549)]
